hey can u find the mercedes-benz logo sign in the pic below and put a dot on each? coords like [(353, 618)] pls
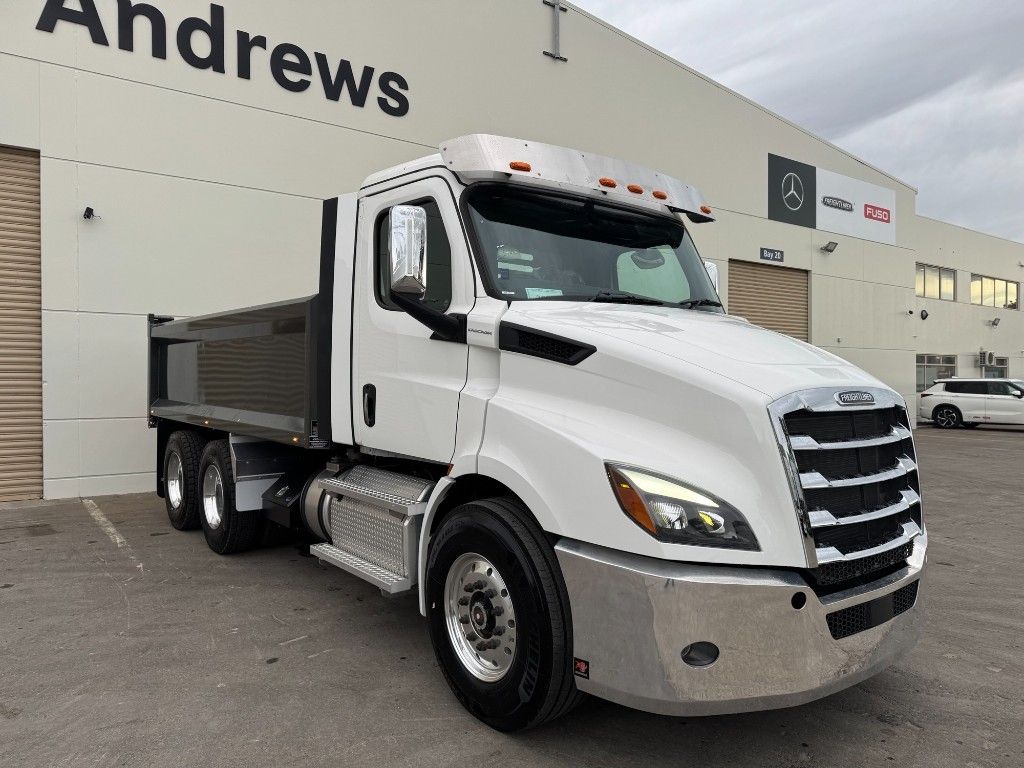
[(793, 192)]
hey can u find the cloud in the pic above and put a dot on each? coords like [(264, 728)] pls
[(930, 91)]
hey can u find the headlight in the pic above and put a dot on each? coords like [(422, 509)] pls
[(673, 512)]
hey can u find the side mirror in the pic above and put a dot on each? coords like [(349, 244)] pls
[(712, 269), (1018, 394), (408, 250)]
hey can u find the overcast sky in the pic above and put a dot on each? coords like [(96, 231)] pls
[(931, 91)]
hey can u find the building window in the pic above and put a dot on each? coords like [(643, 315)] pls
[(1001, 370), (993, 292), (932, 367), (935, 282)]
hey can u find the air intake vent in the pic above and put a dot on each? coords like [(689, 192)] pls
[(527, 341)]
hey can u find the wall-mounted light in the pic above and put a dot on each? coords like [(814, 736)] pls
[(829, 247), (924, 314), (90, 214), (994, 323)]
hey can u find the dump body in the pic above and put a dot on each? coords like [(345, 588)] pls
[(257, 372)]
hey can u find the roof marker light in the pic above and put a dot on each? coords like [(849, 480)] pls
[(606, 182), (659, 195), (706, 210), (636, 189), (519, 165)]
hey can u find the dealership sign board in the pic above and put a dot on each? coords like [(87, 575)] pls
[(813, 197)]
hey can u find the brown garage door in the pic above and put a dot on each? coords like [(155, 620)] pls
[(21, 367), (769, 296)]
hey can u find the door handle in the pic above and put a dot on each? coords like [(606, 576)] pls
[(369, 405)]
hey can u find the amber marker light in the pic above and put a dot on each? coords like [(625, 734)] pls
[(706, 210), (630, 500), (659, 195), (636, 189), (606, 182), (519, 165)]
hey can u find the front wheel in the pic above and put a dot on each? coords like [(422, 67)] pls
[(499, 616), (947, 417)]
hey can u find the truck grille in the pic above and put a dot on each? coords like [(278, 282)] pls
[(856, 470)]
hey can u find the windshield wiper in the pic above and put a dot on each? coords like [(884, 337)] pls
[(622, 297), (694, 303)]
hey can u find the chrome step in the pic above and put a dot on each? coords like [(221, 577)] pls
[(389, 582), (373, 518)]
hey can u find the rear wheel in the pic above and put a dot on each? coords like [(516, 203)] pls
[(181, 477), (499, 616), (227, 530), (947, 417)]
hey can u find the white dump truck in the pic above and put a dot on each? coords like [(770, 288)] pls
[(517, 394)]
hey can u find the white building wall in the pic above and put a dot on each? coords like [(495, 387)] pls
[(209, 186)]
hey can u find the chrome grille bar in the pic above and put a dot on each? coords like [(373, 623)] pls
[(911, 530), (821, 518), (904, 466), (806, 443)]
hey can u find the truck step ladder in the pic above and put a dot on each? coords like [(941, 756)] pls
[(374, 516)]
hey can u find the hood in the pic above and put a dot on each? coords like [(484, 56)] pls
[(769, 362)]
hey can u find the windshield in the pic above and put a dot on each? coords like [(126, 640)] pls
[(548, 246)]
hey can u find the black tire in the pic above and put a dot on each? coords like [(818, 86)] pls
[(947, 417), (234, 531), (539, 686), (187, 449)]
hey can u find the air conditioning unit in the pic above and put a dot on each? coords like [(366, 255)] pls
[(986, 359)]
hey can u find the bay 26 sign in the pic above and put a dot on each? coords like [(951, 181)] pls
[(290, 66), (813, 197)]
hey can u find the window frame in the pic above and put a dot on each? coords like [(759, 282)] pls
[(942, 364), (921, 269), (996, 283)]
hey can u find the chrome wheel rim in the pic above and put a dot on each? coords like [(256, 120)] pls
[(175, 475), (480, 617), (213, 496), (946, 418)]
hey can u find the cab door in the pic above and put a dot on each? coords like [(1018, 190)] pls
[(406, 385), (1003, 405)]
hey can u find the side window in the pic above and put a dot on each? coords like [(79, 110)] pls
[(654, 272), (975, 388), (1000, 388), (955, 388), (439, 259)]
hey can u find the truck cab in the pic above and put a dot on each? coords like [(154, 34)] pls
[(518, 394)]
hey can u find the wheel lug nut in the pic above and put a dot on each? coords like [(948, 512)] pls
[(464, 619), (482, 646), (463, 601), (490, 593), (470, 636)]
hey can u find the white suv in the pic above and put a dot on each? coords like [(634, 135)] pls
[(970, 402)]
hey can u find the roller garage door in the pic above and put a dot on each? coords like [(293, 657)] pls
[(21, 366), (772, 297)]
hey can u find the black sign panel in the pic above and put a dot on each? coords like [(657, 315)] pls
[(772, 254), (792, 192)]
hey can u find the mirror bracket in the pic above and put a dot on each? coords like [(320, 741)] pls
[(446, 327)]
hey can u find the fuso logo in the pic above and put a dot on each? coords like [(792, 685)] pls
[(875, 213)]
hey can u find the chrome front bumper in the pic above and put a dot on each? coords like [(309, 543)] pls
[(632, 616)]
